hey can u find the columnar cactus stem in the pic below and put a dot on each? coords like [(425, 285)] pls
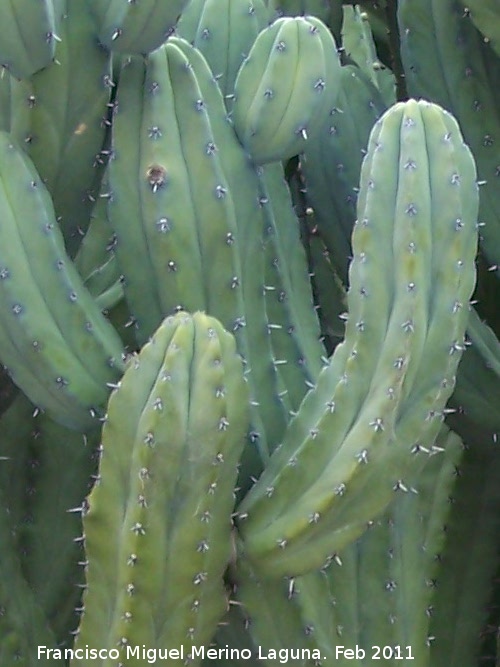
[(157, 531), (29, 34), (275, 113), (58, 346), (390, 379), (135, 27)]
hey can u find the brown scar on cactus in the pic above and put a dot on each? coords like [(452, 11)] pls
[(157, 176)]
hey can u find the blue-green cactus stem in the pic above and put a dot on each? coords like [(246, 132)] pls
[(56, 343), (273, 619), (23, 626), (173, 226), (224, 33), (469, 561), (431, 30), (289, 78), (477, 392), (98, 241), (329, 291), (29, 32), (319, 8), (293, 321), (234, 293), (332, 162), (50, 556), (69, 118), (485, 14), (268, 416), (135, 27), (16, 99), (95, 260), (15, 455), (360, 48), (399, 556)]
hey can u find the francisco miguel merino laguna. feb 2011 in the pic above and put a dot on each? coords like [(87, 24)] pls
[(151, 655)]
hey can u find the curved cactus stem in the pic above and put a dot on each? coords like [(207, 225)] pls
[(332, 161), (387, 385), (275, 114), (359, 46), (293, 322)]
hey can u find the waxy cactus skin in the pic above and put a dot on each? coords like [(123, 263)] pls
[(239, 296), (224, 33), (274, 109), (321, 459), (28, 35), (54, 340), (135, 27), (186, 407)]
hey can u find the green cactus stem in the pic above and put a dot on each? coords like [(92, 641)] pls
[(387, 385), (158, 527)]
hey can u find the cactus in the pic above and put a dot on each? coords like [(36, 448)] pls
[(464, 87), (59, 349), (320, 458), (135, 27), (465, 585), (273, 113), (485, 16), (68, 110), (329, 612), (154, 577), (17, 99), (329, 292), (198, 191), (154, 290), (224, 33), (159, 219), (293, 324), (481, 359), (332, 181), (359, 45), (319, 8), (28, 35), (23, 625)]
